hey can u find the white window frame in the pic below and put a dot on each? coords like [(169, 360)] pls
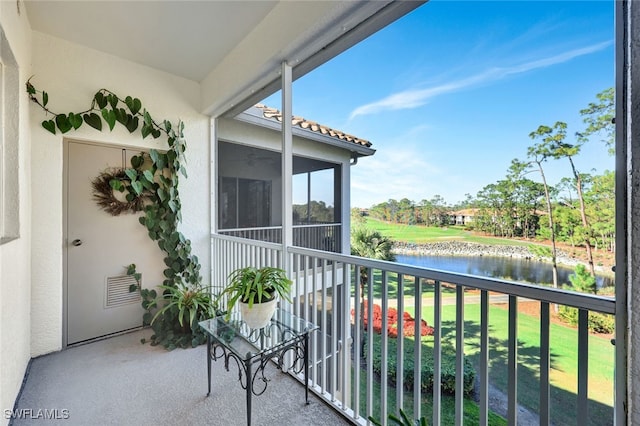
[(9, 144)]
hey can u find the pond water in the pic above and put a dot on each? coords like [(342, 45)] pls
[(512, 269)]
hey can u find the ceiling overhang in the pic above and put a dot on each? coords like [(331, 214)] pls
[(319, 32), (234, 49)]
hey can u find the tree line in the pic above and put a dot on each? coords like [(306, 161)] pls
[(579, 210)]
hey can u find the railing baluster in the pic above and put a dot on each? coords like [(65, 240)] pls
[(400, 344), (484, 358), (384, 347), (323, 328), (357, 355), (512, 363), (334, 331), (369, 307), (437, 352), (583, 366), (459, 355), (417, 349), (314, 314), (346, 337), (544, 411)]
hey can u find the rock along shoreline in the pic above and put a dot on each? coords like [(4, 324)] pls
[(460, 248)]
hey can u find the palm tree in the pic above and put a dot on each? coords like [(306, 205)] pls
[(366, 242)]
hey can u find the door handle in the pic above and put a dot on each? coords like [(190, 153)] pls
[(76, 242)]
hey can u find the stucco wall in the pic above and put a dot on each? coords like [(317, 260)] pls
[(15, 259), (71, 74)]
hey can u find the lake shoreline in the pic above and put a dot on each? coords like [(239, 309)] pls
[(460, 248)]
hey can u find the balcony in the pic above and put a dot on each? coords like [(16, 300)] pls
[(356, 371), (566, 376), (119, 381)]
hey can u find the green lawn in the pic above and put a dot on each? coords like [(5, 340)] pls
[(447, 408), (563, 361), (430, 234)]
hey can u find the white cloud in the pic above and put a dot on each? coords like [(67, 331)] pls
[(398, 173), (417, 97)]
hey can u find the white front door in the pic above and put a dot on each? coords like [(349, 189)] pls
[(99, 247)]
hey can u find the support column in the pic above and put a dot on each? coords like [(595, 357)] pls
[(287, 165), (627, 404), (215, 279)]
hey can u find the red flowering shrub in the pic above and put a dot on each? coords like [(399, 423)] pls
[(408, 322)]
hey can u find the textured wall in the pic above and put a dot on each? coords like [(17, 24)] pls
[(15, 259)]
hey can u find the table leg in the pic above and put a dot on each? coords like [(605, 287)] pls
[(249, 387), (208, 364), (306, 367)]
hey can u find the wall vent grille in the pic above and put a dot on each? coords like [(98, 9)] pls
[(117, 292)]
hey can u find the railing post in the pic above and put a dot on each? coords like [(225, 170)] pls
[(287, 164), (459, 355), (512, 362), (484, 358)]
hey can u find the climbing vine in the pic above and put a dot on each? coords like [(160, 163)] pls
[(150, 183)]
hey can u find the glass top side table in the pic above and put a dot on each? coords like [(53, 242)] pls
[(284, 339)]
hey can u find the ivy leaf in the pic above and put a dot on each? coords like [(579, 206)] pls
[(30, 89), (147, 119), (156, 133), (146, 130), (113, 100), (172, 205), (137, 161), (93, 120), (63, 123), (184, 172), (45, 98), (162, 194), (121, 116), (147, 174), (116, 185), (50, 126), (100, 100), (110, 117), (133, 104), (75, 120), (137, 187), (167, 125), (154, 155), (132, 124), (131, 174)]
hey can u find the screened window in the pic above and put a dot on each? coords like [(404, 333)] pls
[(244, 203)]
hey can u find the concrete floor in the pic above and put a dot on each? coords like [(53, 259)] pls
[(119, 381)]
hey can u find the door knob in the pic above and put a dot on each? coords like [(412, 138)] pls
[(76, 242)]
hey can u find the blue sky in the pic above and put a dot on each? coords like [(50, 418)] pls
[(449, 93)]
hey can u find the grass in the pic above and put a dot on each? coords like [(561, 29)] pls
[(563, 361), (430, 234), (471, 411)]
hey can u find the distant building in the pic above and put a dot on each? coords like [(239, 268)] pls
[(463, 217)]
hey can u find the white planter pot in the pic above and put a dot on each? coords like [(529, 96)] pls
[(259, 314)]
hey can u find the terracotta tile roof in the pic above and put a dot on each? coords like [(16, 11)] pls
[(274, 114)]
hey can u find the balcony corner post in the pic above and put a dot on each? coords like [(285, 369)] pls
[(287, 164)]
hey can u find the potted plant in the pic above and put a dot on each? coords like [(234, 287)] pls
[(256, 290)]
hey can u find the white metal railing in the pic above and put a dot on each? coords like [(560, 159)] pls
[(319, 236), (327, 292)]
